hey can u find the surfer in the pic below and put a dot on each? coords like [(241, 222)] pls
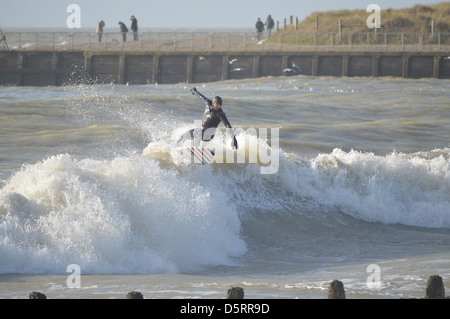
[(212, 117)]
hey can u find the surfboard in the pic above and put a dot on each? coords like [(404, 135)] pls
[(202, 155)]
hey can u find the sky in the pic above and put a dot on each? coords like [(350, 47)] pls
[(189, 14)]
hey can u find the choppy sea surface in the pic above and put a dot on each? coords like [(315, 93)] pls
[(91, 176)]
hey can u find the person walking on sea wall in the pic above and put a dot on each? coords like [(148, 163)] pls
[(134, 27), (269, 24), (123, 30), (100, 27), (259, 28)]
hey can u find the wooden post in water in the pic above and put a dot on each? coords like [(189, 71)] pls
[(235, 293), (336, 290), (135, 295), (37, 295), (435, 288)]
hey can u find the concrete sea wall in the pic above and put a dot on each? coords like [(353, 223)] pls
[(56, 68)]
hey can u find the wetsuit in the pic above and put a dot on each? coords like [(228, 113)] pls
[(211, 119)]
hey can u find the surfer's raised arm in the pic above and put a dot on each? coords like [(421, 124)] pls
[(204, 98)]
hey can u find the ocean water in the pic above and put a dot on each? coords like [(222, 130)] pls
[(360, 191)]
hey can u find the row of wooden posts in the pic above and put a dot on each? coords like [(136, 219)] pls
[(435, 290), (295, 23)]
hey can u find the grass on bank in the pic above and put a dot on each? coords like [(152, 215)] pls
[(418, 19)]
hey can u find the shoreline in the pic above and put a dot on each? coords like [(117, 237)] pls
[(183, 286)]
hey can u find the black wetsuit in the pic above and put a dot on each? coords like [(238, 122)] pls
[(211, 119), (211, 116)]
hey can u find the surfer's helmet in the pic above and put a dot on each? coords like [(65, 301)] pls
[(217, 100)]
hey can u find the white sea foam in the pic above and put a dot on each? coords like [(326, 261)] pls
[(399, 188), (126, 215), (130, 215)]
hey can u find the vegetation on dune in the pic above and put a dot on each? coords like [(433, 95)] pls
[(418, 19)]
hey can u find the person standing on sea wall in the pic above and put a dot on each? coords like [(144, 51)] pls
[(100, 27), (123, 30), (134, 27), (259, 28), (269, 24)]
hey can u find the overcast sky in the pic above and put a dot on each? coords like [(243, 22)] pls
[(174, 13)]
